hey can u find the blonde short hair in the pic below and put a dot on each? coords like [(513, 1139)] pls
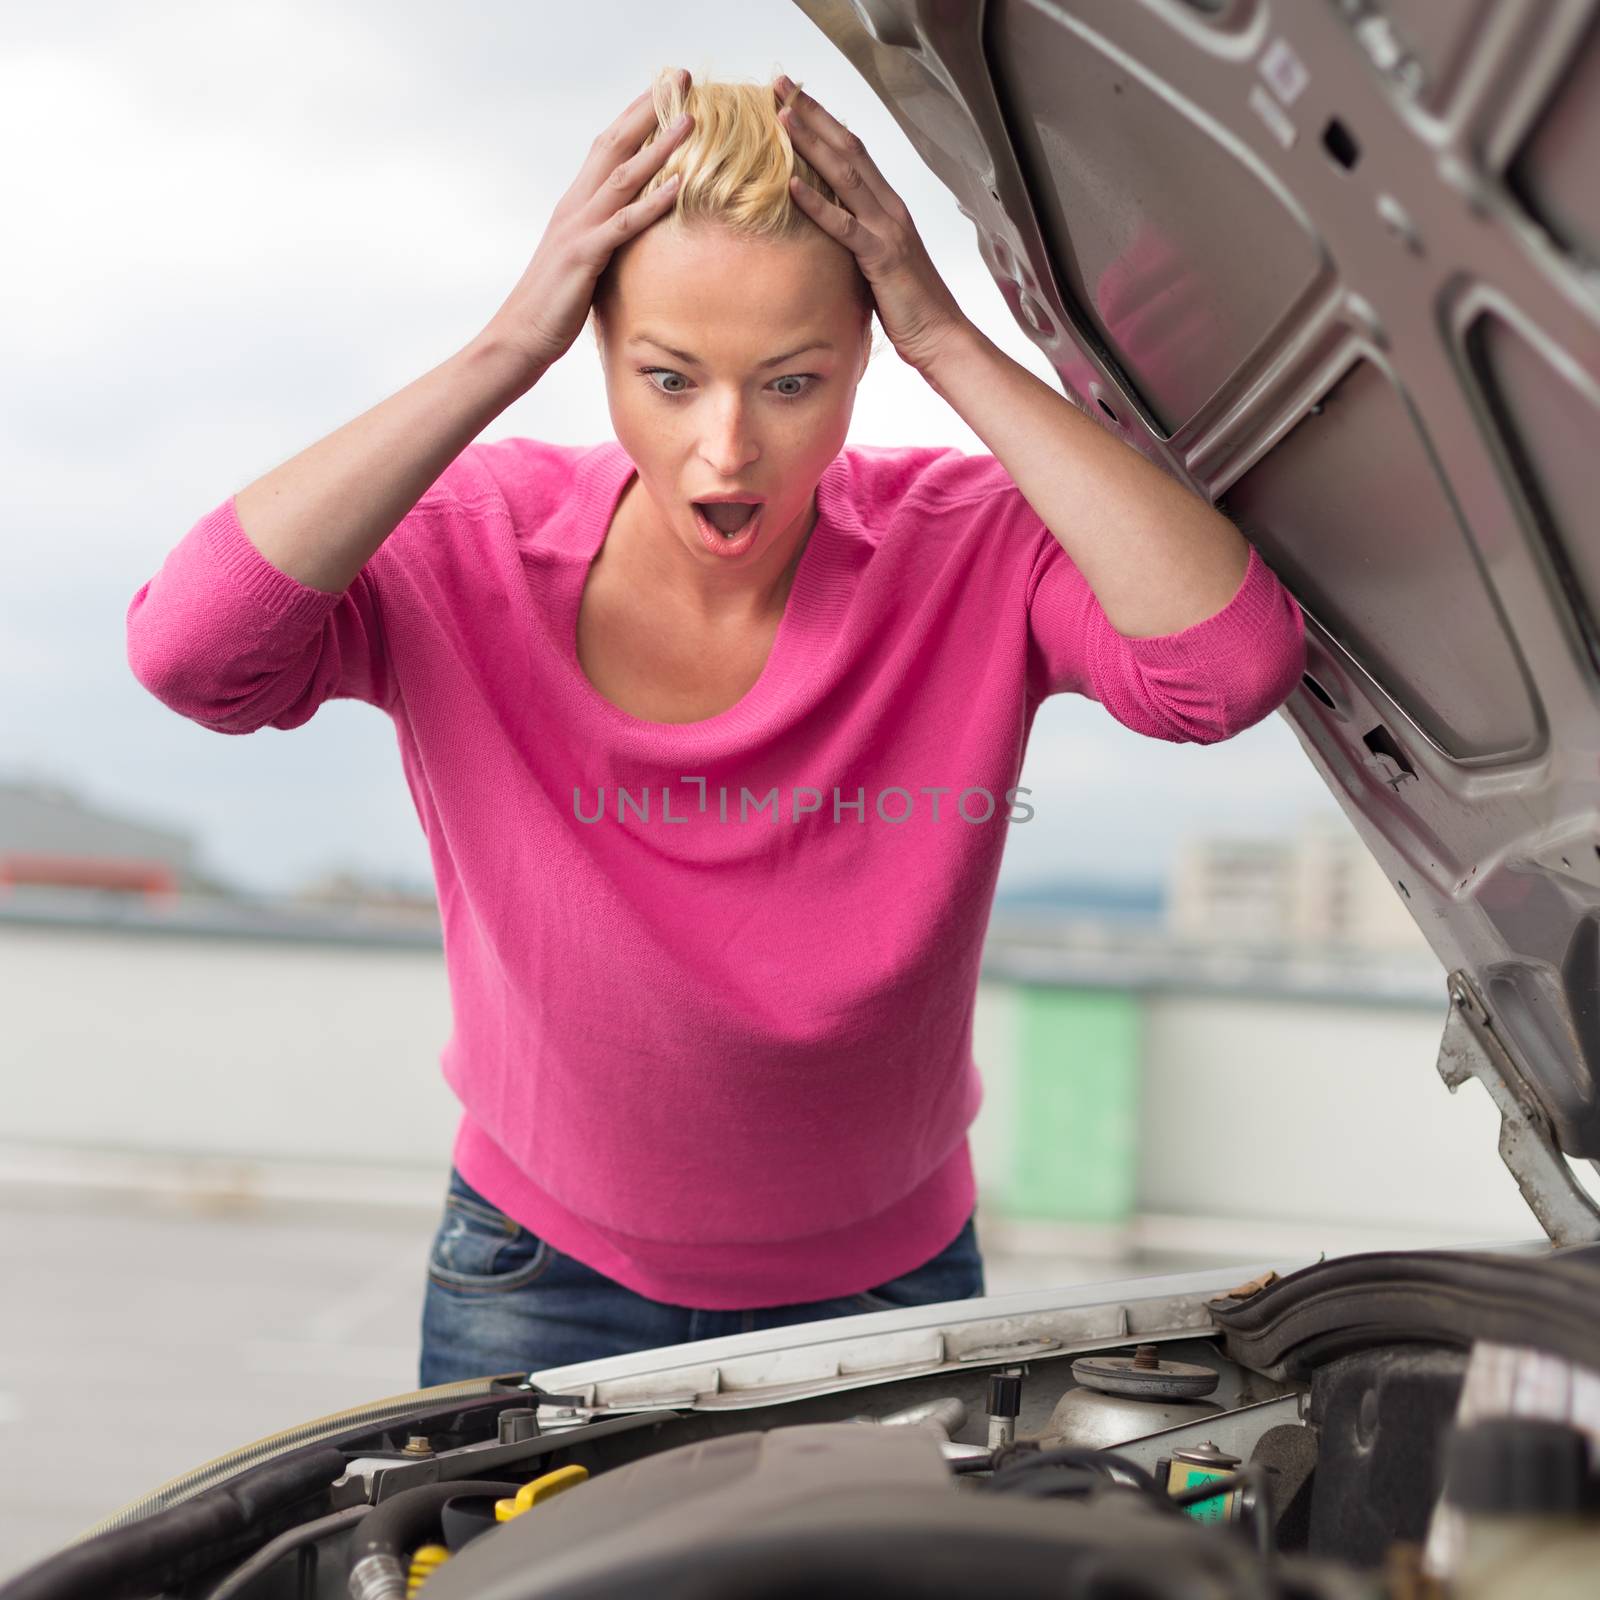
[(734, 167)]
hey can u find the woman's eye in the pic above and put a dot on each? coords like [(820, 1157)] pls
[(806, 380), (651, 373)]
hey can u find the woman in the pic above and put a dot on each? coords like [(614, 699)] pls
[(713, 1012)]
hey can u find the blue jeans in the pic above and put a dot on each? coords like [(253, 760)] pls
[(501, 1299)]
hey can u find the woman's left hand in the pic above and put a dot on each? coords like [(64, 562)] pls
[(916, 308)]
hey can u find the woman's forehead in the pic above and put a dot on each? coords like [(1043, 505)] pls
[(694, 274)]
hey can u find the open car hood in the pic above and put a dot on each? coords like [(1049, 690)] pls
[(1334, 266)]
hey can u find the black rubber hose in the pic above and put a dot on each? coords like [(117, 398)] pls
[(1028, 1468), (377, 1546), (276, 1549), (169, 1547)]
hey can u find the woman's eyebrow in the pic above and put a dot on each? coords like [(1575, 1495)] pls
[(773, 361)]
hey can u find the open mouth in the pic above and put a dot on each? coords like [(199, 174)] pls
[(728, 527), (729, 517)]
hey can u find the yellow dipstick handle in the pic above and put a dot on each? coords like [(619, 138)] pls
[(530, 1494)]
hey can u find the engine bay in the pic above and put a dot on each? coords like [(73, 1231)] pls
[(1373, 1425)]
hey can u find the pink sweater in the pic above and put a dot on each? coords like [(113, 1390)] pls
[(712, 983)]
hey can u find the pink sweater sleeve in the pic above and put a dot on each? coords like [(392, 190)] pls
[(1200, 685), (224, 638)]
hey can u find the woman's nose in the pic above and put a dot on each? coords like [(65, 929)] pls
[(727, 445)]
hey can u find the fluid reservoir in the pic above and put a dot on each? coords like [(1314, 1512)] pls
[(1125, 1397), (1200, 1464), (1526, 1492)]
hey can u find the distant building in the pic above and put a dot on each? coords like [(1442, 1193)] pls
[(1231, 889), (355, 891), (50, 836), (1120, 902), (1319, 887)]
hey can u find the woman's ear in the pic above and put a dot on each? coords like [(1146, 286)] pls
[(869, 346)]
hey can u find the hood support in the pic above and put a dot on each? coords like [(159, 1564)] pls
[(1470, 1048)]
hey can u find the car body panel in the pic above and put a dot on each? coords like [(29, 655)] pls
[(1334, 266)]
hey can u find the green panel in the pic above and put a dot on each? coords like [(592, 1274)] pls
[(1073, 1153)]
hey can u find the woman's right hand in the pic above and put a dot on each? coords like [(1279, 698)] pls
[(550, 304)]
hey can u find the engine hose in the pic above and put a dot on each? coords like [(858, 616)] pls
[(378, 1545), (167, 1549), (176, 1490), (276, 1549), (1025, 1470)]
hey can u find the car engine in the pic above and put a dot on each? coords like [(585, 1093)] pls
[(1406, 1424)]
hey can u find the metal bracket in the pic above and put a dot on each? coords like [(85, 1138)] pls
[(1470, 1048), (374, 1478)]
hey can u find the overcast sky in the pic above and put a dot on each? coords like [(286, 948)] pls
[(234, 227)]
